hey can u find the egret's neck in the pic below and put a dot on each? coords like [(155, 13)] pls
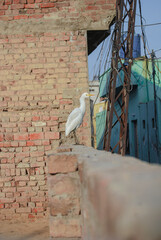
[(82, 105)]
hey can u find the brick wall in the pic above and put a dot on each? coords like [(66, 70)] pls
[(36, 97), (64, 195), (43, 72), (89, 10), (98, 195)]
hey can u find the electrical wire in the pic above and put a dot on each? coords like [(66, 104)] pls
[(142, 29), (149, 25), (157, 50), (151, 57), (104, 60)]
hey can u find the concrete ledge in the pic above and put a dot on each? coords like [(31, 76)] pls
[(120, 197)]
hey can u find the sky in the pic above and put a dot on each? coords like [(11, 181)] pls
[(151, 12)]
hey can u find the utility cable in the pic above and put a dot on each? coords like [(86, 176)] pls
[(142, 28), (148, 25), (151, 57)]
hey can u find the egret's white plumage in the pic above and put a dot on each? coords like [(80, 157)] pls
[(75, 118)]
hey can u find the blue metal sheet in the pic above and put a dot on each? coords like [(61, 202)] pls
[(136, 46), (144, 132), (153, 141)]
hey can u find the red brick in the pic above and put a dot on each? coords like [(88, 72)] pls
[(52, 135), (6, 18), (36, 154), (8, 2), (21, 178), (1, 205), (22, 199), (62, 49), (4, 160), (38, 199), (29, 5), (30, 1), (7, 155), (62, 163), (20, 17), (21, 155), (36, 136), (4, 40), (9, 195), (92, 7), (2, 12), (7, 144), (34, 143), (36, 16), (22, 144), (54, 118), (47, 5), (23, 210), (31, 216), (45, 142), (39, 71), (64, 102), (22, 184), (9, 125), (7, 200), (9, 189), (23, 189), (15, 205), (1, 137), (17, 6), (16, 1), (21, 136), (1, 144), (9, 136), (7, 166), (3, 7), (38, 209)]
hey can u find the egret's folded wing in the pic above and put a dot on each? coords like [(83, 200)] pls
[(73, 115), (74, 120)]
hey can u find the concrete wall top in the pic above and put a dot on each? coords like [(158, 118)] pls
[(120, 196)]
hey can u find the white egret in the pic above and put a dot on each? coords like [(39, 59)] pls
[(75, 118)]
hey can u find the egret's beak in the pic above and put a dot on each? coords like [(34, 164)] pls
[(90, 95)]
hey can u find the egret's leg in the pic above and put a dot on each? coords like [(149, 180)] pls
[(76, 139)]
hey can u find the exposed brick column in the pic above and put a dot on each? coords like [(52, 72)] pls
[(64, 194)]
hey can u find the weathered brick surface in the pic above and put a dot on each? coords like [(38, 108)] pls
[(43, 69), (65, 227), (62, 163), (61, 184), (33, 118), (91, 13), (64, 205), (64, 194)]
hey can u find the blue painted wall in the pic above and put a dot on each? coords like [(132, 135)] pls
[(144, 138)]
